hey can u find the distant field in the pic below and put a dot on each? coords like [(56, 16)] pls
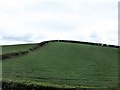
[(62, 64), (12, 48)]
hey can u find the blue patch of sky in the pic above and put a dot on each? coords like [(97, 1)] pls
[(93, 35)]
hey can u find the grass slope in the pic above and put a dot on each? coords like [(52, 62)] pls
[(64, 64)]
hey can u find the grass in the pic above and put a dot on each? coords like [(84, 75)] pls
[(65, 64)]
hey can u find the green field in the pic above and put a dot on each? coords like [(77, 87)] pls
[(63, 65)]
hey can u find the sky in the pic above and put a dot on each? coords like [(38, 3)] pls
[(31, 21)]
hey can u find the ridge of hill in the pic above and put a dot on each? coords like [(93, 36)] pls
[(32, 47)]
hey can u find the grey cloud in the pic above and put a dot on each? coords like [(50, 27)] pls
[(6, 39), (26, 38)]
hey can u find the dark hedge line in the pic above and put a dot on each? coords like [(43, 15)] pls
[(38, 45), (13, 54), (22, 86)]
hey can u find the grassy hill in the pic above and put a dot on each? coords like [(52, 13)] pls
[(63, 65)]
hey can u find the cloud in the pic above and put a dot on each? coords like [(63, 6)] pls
[(49, 6), (38, 20), (52, 26)]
